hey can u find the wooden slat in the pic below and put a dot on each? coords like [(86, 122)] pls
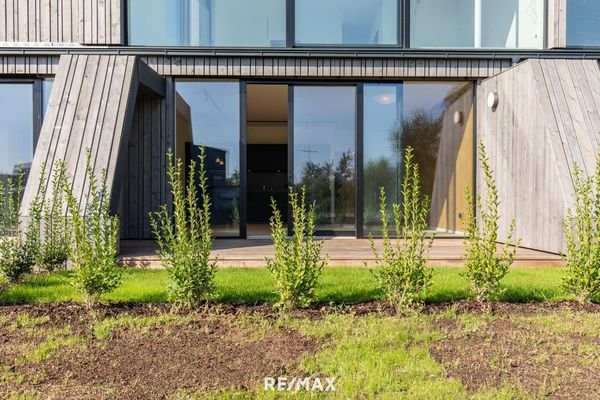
[(91, 106), (546, 122)]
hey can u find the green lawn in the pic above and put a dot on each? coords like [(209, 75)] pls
[(255, 285)]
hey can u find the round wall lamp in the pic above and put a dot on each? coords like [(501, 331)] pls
[(458, 117), (493, 100), (385, 98)]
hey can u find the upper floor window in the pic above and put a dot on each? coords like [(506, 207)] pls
[(583, 23), (343, 22), (477, 23), (248, 23)]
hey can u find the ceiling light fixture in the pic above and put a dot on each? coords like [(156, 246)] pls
[(385, 98)]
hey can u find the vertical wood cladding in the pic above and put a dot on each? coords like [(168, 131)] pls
[(88, 109), (56, 22), (145, 186), (547, 120)]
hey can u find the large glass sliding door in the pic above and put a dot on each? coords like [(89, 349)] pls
[(324, 153), (435, 119), (208, 114)]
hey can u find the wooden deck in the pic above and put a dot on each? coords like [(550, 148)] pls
[(341, 252)]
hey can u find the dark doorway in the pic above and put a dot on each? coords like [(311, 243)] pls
[(266, 154), (267, 179)]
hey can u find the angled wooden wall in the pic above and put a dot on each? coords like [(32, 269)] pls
[(90, 108), (547, 120)]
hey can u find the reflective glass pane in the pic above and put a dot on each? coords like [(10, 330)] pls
[(46, 90), (324, 152), (208, 114), (436, 120), (207, 22), (16, 127), (366, 22), (583, 23), (477, 23)]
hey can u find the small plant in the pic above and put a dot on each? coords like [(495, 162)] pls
[(55, 231), (18, 243), (297, 263), (401, 270), (94, 245), (484, 265), (582, 237), (185, 236)]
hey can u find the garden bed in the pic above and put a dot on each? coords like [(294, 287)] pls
[(452, 350)]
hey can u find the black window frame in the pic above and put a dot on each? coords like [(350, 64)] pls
[(37, 97)]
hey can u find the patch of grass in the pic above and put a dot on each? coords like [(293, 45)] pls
[(337, 285), (25, 321), (563, 322), (55, 341), (102, 329)]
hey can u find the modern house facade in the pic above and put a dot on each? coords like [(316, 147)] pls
[(324, 94)]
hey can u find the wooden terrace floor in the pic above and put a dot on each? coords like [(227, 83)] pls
[(341, 252)]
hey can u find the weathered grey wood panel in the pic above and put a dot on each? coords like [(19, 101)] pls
[(91, 107), (57, 22), (547, 120), (101, 22), (557, 23), (288, 67), (145, 186), (40, 21)]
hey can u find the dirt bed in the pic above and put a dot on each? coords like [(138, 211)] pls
[(190, 352)]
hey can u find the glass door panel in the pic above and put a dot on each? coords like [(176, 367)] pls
[(324, 153), (208, 114)]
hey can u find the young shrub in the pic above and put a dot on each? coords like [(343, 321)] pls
[(185, 236), (297, 263), (484, 265), (55, 231), (401, 270), (18, 243), (94, 242), (582, 238)]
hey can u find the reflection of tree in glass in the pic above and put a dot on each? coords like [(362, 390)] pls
[(321, 180), (234, 179), (379, 173), (421, 130)]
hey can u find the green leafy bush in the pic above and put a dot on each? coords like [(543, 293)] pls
[(582, 237), (401, 269), (94, 245), (54, 230), (484, 265), (185, 236), (297, 262), (18, 243)]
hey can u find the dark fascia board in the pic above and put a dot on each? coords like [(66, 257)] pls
[(308, 52), (151, 79)]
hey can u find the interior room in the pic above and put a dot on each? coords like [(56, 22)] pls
[(267, 159)]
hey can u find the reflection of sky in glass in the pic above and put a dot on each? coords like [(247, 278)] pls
[(346, 22), (207, 22), (382, 117), (46, 90), (324, 124), (583, 23), (215, 108), (16, 126)]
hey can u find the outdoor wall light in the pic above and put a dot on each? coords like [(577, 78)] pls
[(385, 98), (458, 117), (493, 100)]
